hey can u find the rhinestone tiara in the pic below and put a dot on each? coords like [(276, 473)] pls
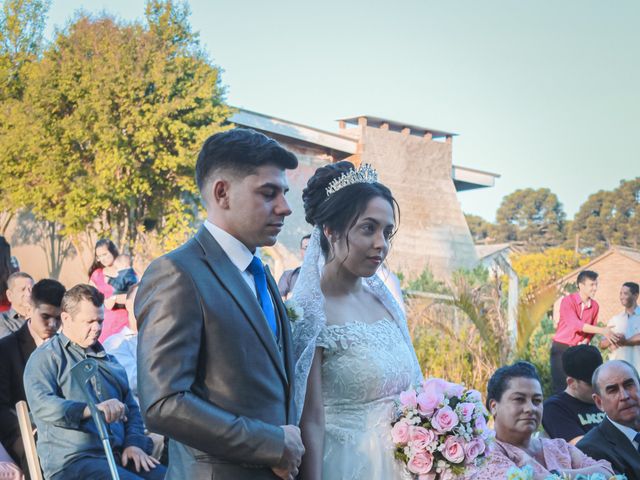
[(365, 174)]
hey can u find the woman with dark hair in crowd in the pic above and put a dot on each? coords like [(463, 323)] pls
[(353, 351), (6, 269), (102, 270), (514, 398)]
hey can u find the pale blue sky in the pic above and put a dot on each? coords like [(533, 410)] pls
[(545, 93)]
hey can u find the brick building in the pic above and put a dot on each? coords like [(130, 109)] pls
[(414, 162)]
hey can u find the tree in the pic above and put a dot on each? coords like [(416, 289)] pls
[(532, 216), (539, 270), (106, 135), (22, 24), (480, 229), (609, 218), (46, 234)]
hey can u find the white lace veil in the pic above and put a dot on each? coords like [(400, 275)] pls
[(307, 295)]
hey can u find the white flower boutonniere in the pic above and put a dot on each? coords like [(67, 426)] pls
[(294, 311)]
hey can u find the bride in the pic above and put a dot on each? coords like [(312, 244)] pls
[(353, 350)]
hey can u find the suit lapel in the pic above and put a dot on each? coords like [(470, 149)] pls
[(232, 280), (287, 345), (285, 327), (621, 443)]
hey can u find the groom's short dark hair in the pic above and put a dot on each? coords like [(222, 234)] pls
[(240, 151)]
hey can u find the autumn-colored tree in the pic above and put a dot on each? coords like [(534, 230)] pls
[(532, 216), (107, 132), (540, 269), (22, 24)]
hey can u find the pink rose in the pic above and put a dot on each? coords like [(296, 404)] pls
[(444, 420), (436, 386), (420, 463), (428, 402), (454, 390), (466, 409), (453, 450), (421, 438), (474, 396), (400, 432), (409, 398), (474, 449)]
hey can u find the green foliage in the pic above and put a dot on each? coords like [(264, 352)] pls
[(466, 338), (476, 277), (447, 357), (532, 216), (609, 218), (107, 132), (480, 229), (426, 282), (22, 24), (537, 352)]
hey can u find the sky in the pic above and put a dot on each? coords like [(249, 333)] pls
[(544, 93)]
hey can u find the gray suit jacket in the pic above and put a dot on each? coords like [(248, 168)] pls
[(606, 442), (211, 376)]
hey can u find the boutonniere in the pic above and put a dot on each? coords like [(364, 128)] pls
[(294, 311)]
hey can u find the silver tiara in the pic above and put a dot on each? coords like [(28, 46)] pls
[(365, 174)]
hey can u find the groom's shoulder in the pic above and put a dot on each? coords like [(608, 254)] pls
[(181, 258)]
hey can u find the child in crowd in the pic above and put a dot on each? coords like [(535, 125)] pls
[(126, 275)]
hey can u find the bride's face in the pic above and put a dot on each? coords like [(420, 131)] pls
[(362, 249)]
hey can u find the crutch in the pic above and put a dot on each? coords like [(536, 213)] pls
[(83, 372)]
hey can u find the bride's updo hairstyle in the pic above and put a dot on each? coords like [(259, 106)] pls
[(340, 210)]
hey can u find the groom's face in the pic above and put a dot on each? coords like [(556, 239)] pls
[(257, 206)]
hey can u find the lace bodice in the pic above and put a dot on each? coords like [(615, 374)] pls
[(363, 362)]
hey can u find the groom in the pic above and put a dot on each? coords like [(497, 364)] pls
[(215, 360)]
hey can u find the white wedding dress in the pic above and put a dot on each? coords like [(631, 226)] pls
[(364, 368)]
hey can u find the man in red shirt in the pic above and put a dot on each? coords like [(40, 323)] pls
[(578, 324)]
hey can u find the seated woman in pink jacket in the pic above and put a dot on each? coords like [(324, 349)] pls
[(514, 398)]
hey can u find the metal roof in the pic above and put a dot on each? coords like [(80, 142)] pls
[(395, 126)]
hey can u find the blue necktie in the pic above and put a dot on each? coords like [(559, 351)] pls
[(637, 440), (259, 276)]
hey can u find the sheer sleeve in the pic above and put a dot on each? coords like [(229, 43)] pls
[(580, 459)]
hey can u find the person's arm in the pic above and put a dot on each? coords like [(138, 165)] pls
[(575, 440), (570, 318), (41, 388), (582, 464), (171, 318), (312, 422), (631, 341)]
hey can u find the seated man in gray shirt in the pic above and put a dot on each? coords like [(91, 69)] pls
[(68, 443), (18, 293)]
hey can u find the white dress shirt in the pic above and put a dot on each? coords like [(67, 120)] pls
[(628, 432), (237, 252), (123, 345), (628, 325)]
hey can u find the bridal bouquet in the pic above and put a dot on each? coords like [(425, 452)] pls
[(440, 430)]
